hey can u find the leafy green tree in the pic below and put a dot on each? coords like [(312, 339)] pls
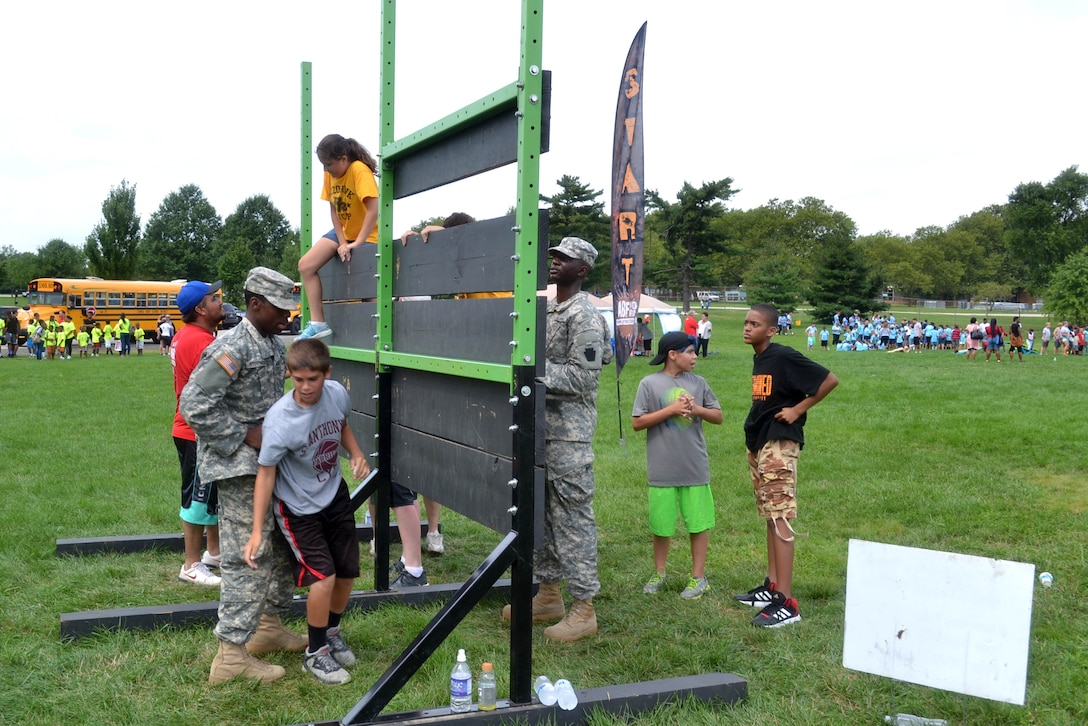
[(686, 226), (843, 282), (60, 259), (113, 246), (233, 267), (577, 211), (179, 239), (1047, 223), (1067, 297), (20, 269), (291, 254), (776, 280), (257, 221)]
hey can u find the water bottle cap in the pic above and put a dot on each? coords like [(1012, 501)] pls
[(487, 667), (461, 656)]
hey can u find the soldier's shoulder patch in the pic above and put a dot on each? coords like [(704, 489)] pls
[(228, 364), (591, 354)]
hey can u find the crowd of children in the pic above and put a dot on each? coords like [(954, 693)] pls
[(58, 338)]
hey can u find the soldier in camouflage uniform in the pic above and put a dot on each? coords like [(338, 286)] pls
[(577, 346), (240, 375)]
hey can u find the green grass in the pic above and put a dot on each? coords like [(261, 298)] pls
[(925, 450)]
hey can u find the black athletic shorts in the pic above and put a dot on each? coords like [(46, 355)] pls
[(192, 489), (325, 543)]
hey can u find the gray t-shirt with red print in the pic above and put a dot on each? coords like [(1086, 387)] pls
[(304, 443)]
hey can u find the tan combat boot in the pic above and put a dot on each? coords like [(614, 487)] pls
[(232, 661), (271, 635), (580, 622), (547, 605)]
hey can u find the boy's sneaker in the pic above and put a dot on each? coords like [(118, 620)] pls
[(338, 648), (199, 574), (757, 597), (654, 584), (407, 579), (695, 589), (435, 545), (781, 611), (324, 667), (211, 560), (315, 330)]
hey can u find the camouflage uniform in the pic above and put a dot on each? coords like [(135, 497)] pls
[(576, 348), (239, 377)]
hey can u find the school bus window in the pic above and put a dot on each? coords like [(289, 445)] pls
[(141, 299), (75, 301), (100, 299), (128, 299), (173, 301), (114, 299)]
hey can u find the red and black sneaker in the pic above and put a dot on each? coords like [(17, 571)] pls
[(781, 611), (757, 597)]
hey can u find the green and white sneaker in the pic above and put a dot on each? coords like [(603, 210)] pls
[(695, 589), (655, 583)]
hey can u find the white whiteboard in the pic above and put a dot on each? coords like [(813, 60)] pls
[(956, 622)]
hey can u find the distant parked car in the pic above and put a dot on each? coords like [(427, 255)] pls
[(231, 316)]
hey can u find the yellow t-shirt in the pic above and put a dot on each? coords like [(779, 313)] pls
[(347, 193), (82, 337)]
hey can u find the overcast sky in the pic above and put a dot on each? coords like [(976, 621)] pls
[(901, 115)]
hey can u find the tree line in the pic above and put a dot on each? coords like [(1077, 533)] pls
[(185, 238), (788, 253)]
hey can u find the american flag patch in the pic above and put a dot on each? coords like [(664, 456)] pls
[(227, 363)]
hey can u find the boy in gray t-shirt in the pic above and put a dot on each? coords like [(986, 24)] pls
[(300, 464), (671, 406)]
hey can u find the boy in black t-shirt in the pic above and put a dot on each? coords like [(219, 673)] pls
[(785, 384)]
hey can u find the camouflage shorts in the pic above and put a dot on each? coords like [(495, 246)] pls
[(774, 478)]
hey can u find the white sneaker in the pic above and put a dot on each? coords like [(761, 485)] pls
[(211, 560), (199, 574), (434, 543)]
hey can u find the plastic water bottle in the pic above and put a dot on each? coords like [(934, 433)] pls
[(565, 695), (488, 690), (460, 685), (907, 719), (545, 691)]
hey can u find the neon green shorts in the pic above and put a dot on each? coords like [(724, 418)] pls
[(695, 504)]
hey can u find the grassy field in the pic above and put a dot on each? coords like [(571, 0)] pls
[(925, 450)]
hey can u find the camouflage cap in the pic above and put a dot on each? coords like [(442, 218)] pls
[(272, 286), (576, 249)]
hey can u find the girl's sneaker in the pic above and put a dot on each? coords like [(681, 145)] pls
[(757, 597), (695, 589), (781, 611), (315, 330), (654, 584)]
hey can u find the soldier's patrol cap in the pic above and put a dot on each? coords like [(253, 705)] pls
[(576, 249), (272, 286)]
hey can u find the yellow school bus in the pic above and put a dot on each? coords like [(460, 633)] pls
[(93, 300)]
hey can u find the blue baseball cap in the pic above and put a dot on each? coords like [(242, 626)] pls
[(193, 292)]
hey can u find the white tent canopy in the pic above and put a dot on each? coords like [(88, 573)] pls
[(666, 316)]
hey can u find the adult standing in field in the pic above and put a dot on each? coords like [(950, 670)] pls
[(352, 193), (703, 332), (691, 328), (975, 336), (1045, 335), (577, 346), (646, 332), (239, 377), (124, 333), (69, 329), (995, 336), (201, 309), (11, 333), (166, 334)]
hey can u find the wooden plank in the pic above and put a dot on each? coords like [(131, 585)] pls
[(353, 324), (74, 626), (358, 378), (475, 413), (488, 144), (476, 330), (351, 280), (470, 482)]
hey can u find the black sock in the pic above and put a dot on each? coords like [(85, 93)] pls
[(334, 619), (318, 637)]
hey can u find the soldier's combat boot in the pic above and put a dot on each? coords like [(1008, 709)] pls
[(233, 661), (547, 605), (580, 622), (272, 635)]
